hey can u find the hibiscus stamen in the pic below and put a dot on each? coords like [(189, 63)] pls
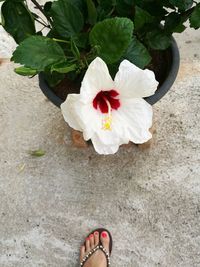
[(106, 102), (107, 121)]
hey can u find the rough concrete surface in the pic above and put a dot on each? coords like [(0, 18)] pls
[(149, 200)]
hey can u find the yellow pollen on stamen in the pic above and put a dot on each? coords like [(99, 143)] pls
[(107, 121)]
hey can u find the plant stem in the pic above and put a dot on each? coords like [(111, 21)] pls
[(185, 15), (41, 10), (43, 20), (61, 41), (46, 26)]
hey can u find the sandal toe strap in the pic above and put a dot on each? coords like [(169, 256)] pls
[(99, 247)]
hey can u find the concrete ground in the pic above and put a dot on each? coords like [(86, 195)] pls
[(149, 200)]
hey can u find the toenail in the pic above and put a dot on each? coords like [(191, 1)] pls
[(91, 236), (104, 234), (87, 238), (96, 233)]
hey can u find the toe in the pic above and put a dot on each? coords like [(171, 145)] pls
[(91, 241), (96, 238), (87, 244), (82, 253), (105, 240)]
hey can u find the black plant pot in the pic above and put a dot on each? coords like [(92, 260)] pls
[(171, 65)]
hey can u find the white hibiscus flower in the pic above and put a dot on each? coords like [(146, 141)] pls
[(112, 113)]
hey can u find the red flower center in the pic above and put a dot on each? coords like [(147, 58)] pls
[(105, 99)]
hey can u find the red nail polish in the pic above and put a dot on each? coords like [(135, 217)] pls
[(96, 233), (87, 238), (91, 236), (104, 234)]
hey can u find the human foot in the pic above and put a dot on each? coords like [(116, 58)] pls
[(92, 254)]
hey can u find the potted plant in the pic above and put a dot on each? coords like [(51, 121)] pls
[(93, 52)]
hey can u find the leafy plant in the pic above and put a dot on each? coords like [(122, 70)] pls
[(80, 30)]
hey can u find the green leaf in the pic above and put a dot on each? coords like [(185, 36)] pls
[(105, 9), (80, 4), (137, 53), (54, 78), (81, 39), (75, 50), (64, 67), (113, 69), (195, 17), (47, 8), (154, 9), (13, 0), (180, 28), (112, 36), (182, 4), (92, 12), (166, 3), (124, 9), (129, 2), (26, 71), (107, 5), (158, 40), (67, 18), (38, 52), (174, 23), (17, 20), (54, 34), (37, 153), (141, 17)]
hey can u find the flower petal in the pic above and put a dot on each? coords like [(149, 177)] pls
[(135, 116), (102, 148), (108, 141), (81, 116), (69, 113), (130, 122), (97, 78), (91, 120), (131, 81), (110, 137)]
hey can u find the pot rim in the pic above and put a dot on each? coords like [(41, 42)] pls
[(164, 88), (171, 77)]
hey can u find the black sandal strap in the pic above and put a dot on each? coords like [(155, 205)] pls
[(93, 251)]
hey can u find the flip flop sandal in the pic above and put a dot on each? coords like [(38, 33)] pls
[(99, 247)]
